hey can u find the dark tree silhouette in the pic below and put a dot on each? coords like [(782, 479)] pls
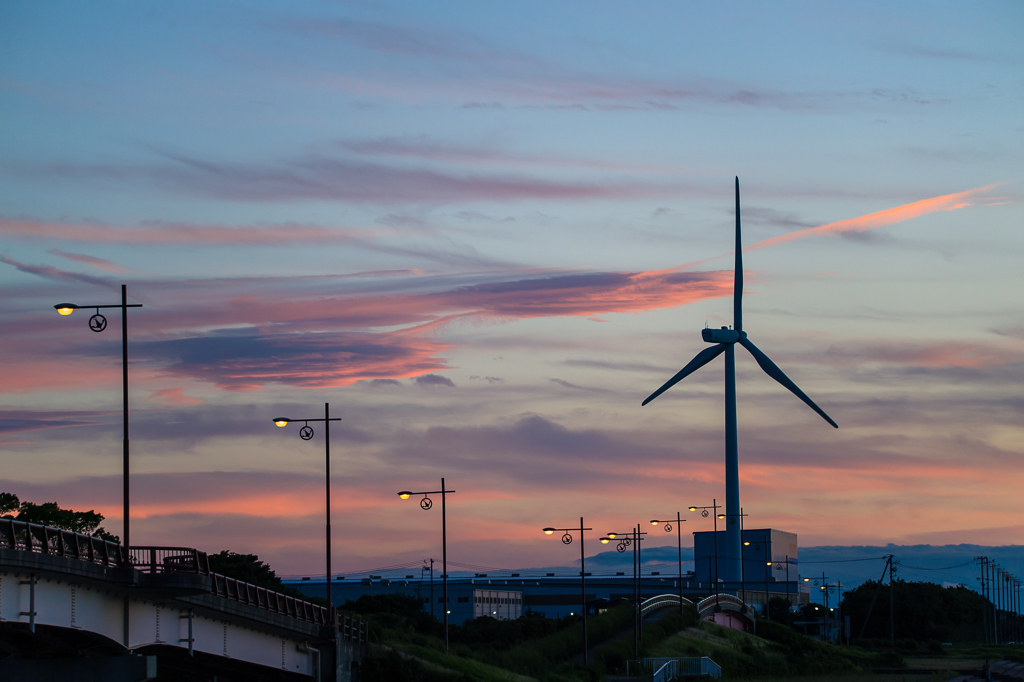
[(51, 514)]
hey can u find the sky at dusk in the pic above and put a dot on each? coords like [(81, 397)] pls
[(484, 233)]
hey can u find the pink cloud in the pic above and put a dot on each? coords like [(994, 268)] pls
[(946, 202), (175, 396)]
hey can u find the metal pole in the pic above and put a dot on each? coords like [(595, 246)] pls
[(636, 601), (639, 582), (432, 588), (125, 476), (892, 615), (767, 573), (327, 438), (984, 611), (679, 544), (124, 402), (444, 563), (787, 583), (824, 604), (839, 610), (583, 589), (714, 505), (743, 561)]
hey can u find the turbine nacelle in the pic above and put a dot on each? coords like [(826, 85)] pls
[(723, 335)]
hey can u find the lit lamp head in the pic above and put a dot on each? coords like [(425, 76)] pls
[(746, 543), (807, 580), (281, 421), (655, 522), (405, 494), (769, 563), (613, 535), (721, 516), (692, 508), (605, 541), (548, 531), (66, 308)]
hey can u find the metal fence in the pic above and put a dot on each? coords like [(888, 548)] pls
[(666, 669)]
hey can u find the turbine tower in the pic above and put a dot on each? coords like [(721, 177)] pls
[(725, 340)]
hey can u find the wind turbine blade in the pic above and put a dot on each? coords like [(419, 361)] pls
[(737, 287), (702, 358), (772, 370)]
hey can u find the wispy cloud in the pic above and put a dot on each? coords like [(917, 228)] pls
[(426, 148), (98, 263), (49, 272), (320, 177), (946, 202), (159, 233)]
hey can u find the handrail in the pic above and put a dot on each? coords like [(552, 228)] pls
[(663, 669), (32, 537), (665, 673), (720, 599), (661, 601)]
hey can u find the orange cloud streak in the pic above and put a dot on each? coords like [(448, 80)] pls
[(946, 202)]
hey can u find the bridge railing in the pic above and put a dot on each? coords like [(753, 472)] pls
[(187, 560), (32, 537), (661, 601), (169, 560)]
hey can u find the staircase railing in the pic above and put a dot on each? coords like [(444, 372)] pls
[(664, 669)]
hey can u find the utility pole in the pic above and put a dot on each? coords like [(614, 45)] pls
[(984, 611), (995, 602), (892, 617), (824, 604), (839, 611)]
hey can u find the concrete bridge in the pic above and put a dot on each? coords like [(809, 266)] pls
[(78, 601)]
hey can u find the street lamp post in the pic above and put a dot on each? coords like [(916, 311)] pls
[(624, 542), (305, 433), (704, 512), (567, 540), (767, 574), (98, 323), (778, 567), (679, 545), (425, 504)]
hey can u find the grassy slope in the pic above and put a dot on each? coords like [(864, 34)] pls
[(779, 651)]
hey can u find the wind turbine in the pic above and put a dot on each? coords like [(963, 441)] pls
[(725, 340)]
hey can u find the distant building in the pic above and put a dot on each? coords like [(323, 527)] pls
[(770, 564), (552, 596), (511, 595)]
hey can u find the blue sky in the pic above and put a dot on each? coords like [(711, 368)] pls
[(484, 234)]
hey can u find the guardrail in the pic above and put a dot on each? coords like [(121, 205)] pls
[(665, 669), (31, 537)]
